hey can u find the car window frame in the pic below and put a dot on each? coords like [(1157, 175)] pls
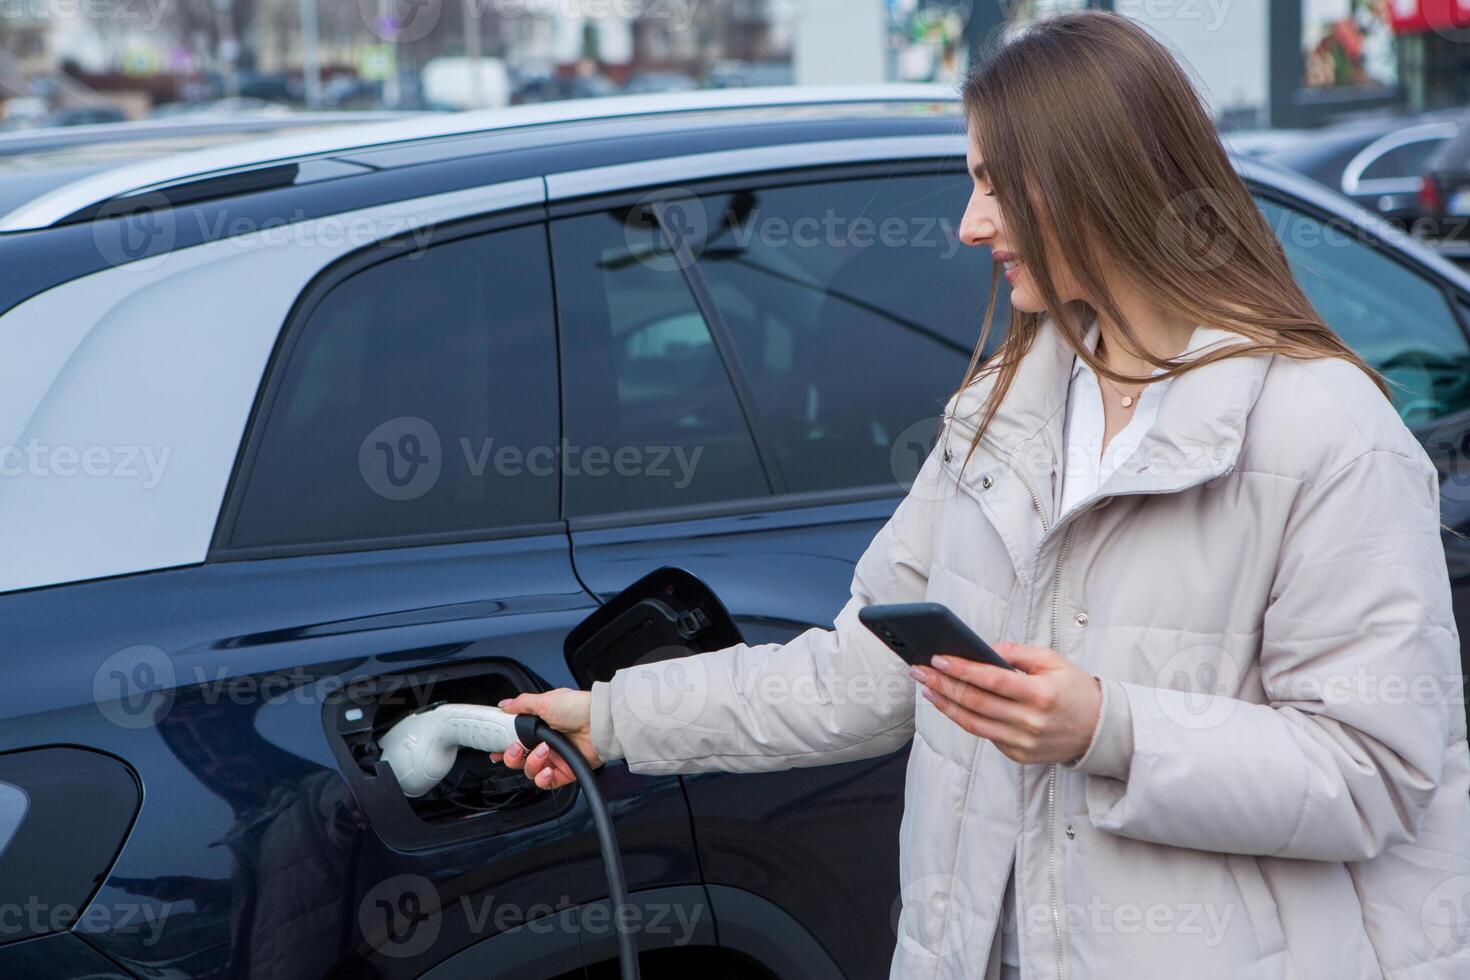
[(1354, 183), (780, 498), (1455, 297), (287, 340)]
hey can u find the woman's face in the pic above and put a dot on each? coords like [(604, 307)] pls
[(983, 224)]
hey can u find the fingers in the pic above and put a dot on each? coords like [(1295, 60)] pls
[(1015, 745), (996, 731), (543, 766), (976, 699), (526, 703), (1006, 683), (1029, 658)]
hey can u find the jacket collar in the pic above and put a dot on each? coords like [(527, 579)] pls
[(1196, 437)]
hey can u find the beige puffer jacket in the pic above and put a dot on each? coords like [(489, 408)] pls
[(1279, 784)]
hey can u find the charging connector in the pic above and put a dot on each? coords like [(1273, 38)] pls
[(421, 750)]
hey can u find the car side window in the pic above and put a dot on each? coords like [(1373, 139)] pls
[(1398, 321), (1407, 160), (418, 397), (854, 308), (652, 419)]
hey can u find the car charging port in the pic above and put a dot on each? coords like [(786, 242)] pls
[(478, 797)]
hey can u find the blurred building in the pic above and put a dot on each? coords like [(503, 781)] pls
[(1282, 63), (1434, 52)]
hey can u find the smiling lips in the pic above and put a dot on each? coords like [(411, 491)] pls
[(1010, 262)]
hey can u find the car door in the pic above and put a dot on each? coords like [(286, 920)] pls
[(391, 538), (1411, 327), (752, 370)]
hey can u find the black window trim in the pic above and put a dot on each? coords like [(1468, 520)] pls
[(1370, 239), (782, 499), (289, 336), (820, 498), (724, 342)]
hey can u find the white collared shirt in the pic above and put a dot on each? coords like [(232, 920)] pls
[(1087, 464)]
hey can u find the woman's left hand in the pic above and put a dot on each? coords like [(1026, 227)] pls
[(1046, 714)]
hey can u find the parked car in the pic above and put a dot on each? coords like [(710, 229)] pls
[(302, 433), (1376, 161), (1444, 191), (733, 73), (658, 81), (85, 115), (555, 88)]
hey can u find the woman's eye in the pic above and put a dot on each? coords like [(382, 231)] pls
[(990, 193)]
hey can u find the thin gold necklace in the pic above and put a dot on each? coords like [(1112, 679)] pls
[(1125, 399)]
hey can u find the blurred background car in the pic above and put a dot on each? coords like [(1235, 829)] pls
[(1444, 192), (1375, 161)]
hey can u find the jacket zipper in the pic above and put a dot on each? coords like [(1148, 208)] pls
[(1051, 789), (1051, 786), (1092, 503), (1056, 632)]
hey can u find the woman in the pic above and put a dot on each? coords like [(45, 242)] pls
[(1236, 750)]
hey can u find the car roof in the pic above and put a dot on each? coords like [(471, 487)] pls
[(1326, 152), (36, 162), (91, 190)]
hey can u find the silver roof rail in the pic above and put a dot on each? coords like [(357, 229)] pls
[(97, 189)]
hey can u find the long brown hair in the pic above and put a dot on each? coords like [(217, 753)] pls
[(1085, 119)]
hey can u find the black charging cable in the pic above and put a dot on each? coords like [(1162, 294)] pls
[(532, 731)]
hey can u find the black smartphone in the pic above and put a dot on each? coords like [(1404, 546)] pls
[(916, 631)]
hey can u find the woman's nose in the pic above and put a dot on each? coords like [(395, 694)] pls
[(975, 230)]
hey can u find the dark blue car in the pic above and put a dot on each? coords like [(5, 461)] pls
[(299, 435)]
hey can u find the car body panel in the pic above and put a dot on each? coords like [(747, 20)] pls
[(249, 843), (178, 390)]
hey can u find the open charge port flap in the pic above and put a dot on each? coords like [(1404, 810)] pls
[(478, 798)]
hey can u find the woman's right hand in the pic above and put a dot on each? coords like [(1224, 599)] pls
[(566, 710)]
